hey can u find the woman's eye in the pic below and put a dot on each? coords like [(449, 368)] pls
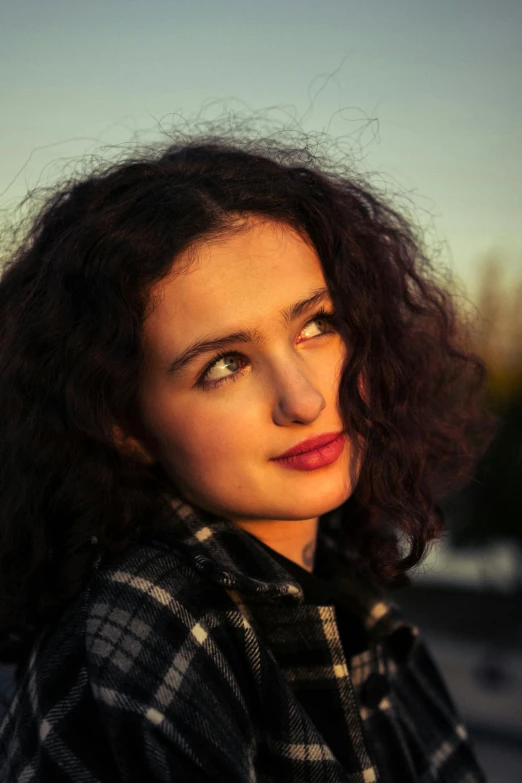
[(324, 320), (224, 362), (231, 361)]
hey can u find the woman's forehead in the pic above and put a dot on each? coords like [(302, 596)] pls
[(244, 273), (240, 285)]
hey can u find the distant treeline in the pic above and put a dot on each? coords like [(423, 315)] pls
[(490, 507)]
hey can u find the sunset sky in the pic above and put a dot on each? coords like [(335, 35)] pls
[(427, 94)]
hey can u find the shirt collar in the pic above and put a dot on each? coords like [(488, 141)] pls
[(232, 558)]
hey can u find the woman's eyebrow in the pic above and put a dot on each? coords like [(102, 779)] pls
[(211, 342)]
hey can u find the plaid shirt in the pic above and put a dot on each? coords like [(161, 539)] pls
[(194, 656)]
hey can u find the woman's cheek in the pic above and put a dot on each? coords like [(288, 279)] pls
[(201, 436)]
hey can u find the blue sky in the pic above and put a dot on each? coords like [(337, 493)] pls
[(441, 81)]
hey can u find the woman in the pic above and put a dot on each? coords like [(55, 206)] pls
[(184, 599)]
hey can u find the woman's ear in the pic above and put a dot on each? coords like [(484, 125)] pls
[(130, 446)]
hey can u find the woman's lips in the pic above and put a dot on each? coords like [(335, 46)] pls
[(309, 444), (317, 457)]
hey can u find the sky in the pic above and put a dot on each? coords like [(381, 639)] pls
[(426, 97)]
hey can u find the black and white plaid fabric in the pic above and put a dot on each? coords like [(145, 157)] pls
[(194, 656)]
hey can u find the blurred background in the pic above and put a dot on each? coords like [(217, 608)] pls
[(425, 99)]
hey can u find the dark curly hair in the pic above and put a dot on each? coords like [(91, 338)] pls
[(74, 293)]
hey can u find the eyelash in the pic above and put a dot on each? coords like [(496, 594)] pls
[(331, 318)]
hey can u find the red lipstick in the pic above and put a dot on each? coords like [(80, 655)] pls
[(314, 452)]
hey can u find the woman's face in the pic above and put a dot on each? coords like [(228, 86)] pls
[(216, 434)]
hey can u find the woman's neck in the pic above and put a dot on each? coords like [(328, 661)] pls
[(294, 539)]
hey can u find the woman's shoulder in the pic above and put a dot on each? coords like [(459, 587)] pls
[(149, 602), (147, 569), (146, 586), (147, 658), (160, 642)]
